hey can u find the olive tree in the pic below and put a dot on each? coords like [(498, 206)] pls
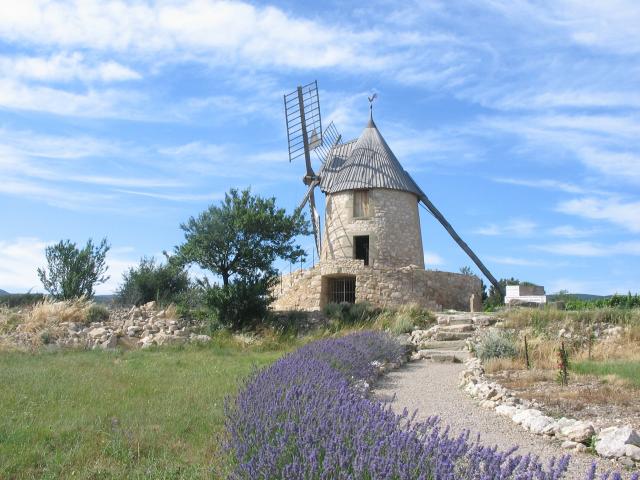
[(72, 272), (238, 241)]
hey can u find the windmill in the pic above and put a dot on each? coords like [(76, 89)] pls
[(305, 134)]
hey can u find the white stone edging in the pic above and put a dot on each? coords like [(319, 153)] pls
[(618, 443)]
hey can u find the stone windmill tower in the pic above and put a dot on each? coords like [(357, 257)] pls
[(371, 249), (371, 210)]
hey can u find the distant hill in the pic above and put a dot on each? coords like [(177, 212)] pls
[(104, 298), (577, 296), (4, 292)]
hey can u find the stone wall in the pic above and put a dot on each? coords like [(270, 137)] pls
[(383, 287), (393, 228)]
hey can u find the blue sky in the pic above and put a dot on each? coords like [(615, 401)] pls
[(519, 119)]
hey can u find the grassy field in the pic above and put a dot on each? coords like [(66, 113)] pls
[(137, 414), (626, 370)]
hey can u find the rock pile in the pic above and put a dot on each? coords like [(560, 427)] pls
[(141, 327), (621, 443)]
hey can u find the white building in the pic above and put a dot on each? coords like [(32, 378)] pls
[(519, 294)]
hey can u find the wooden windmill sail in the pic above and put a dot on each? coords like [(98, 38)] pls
[(361, 164)]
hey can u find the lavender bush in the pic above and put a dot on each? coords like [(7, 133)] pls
[(302, 418)]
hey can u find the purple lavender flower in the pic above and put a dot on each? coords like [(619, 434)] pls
[(303, 418)]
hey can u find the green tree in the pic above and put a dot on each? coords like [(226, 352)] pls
[(239, 240), (72, 272), (495, 298), (466, 270), (153, 281)]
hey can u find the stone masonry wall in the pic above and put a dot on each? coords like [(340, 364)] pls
[(393, 228), (382, 287)]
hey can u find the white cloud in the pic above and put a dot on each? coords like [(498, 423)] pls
[(102, 103), (64, 67), (217, 31), (569, 231), (21, 257), (514, 227), (542, 183), (26, 142), (178, 197), (605, 144), (613, 210), (589, 249), (19, 260), (433, 259), (521, 262)]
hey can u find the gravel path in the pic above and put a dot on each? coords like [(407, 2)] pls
[(432, 389)]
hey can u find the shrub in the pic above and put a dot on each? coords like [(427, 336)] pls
[(350, 313), (497, 344), (305, 417), (240, 304), (404, 319), (72, 272), (97, 313), (151, 281)]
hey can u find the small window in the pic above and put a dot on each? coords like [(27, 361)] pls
[(361, 248), (361, 203)]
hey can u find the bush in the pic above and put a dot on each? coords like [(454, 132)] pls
[(97, 313), (350, 313), (239, 304), (497, 344), (72, 272), (305, 417), (404, 319), (151, 281)]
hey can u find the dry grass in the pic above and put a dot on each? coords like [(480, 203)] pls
[(541, 319), (171, 311), (494, 365), (49, 313)]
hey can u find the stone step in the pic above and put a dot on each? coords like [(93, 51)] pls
[(466, 327), (452, 336), (452, 345), (454, 319), (443, 356)]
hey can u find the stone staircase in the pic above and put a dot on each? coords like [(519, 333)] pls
[(448, 340)]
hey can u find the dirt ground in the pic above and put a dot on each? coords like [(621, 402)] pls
[(603, 401)]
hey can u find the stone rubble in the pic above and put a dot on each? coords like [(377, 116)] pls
[(141, 327)]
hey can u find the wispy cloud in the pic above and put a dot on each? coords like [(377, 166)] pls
[(178, 197), (100, 103), (569, 231), (514, 227), (547, 184), (608, 146), (517, 261), (625, 214), (432, 259), (64, 67), (589, 249)]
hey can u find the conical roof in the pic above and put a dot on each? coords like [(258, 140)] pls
[(365, 163)]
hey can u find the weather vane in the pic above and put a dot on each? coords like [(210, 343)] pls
[(371, 99)]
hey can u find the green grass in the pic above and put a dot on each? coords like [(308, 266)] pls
[(627, 370), (99, 415)]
